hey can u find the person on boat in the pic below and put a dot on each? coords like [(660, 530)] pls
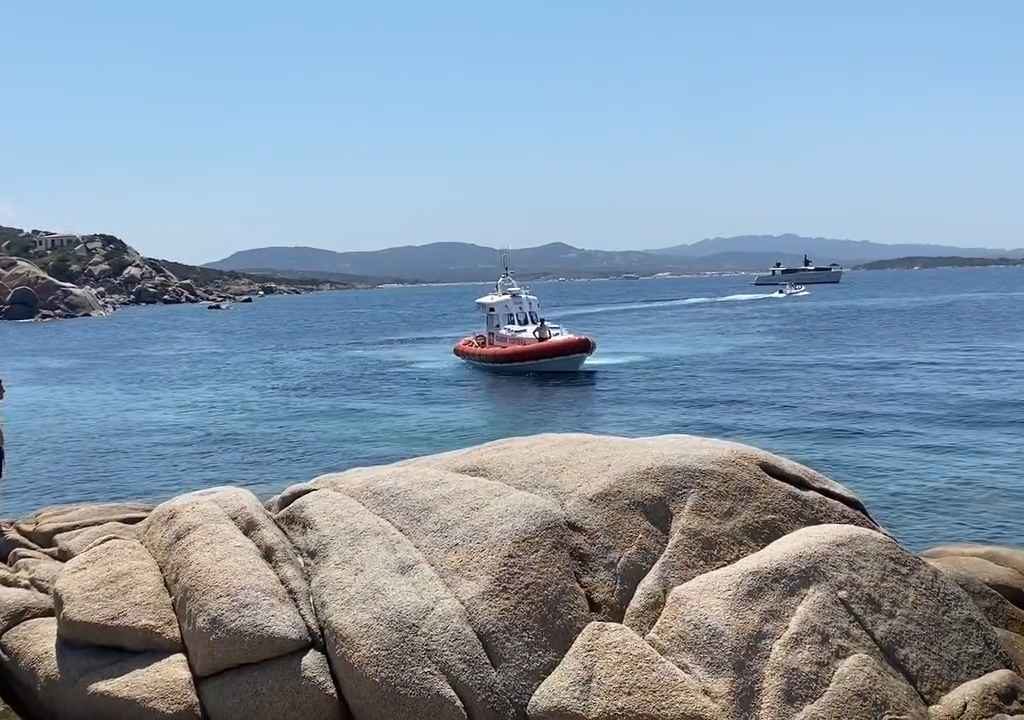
[(542, 332)]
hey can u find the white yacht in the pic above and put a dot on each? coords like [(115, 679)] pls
[(807, 274)]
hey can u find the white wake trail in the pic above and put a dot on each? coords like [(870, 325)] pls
[(572, 312)]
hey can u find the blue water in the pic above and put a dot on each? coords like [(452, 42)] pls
[(905, 386)]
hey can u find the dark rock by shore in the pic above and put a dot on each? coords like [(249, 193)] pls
[(560, 577)]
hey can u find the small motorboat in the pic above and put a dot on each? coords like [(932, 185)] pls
[(789, 289), (516, 339)]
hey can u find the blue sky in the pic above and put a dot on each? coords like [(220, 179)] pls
[(196, 129)]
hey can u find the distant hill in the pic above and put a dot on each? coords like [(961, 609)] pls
[(914, 263), (452, 262), (205, 275), (822, 250), (316, 276), (460, 262)]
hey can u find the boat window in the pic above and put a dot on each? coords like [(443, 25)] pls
[(510, 319), (533, 317), (521, 318)]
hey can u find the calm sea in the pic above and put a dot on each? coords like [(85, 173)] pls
[(906, 386)]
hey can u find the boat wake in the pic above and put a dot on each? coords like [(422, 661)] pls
[(665, 303), (602, 360)]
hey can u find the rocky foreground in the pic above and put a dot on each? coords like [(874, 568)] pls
[(552, 578)]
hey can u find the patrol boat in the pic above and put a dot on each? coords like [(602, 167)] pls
[(517, 339)]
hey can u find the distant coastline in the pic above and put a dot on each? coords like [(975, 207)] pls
[(952, 261), (450, 262)]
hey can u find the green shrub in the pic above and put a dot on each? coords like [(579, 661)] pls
[(20, 247), (59, 267)]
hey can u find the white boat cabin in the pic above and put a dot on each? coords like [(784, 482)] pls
[(512, 314)]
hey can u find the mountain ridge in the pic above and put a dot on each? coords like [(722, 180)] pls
[(459, 262), (829, 249)]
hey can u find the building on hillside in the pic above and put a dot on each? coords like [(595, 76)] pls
[(49, 243)]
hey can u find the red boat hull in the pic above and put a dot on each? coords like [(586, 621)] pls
[(510, 356)]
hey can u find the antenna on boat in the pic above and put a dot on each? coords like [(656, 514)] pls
[(505, 259)]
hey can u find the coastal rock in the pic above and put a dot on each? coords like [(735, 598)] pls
[(768, 632), (564, 577), (863, 687), (22, 304), (12, 579), (1001, 568), (74, 542), (101, 272), (39, 569), (113, 595), (50, 295), (59, 681), (590, 682), (232, 606), (990, 697), (525, 541), (398, 637), (11, 539), (293, 686), (135, 273), (1013, 644), (187, 290), (19, 604), (42, 526), (999, 611), (146, 294), (256, 524), (649, 514), (175, 293)]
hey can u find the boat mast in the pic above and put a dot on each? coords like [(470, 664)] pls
[(505, 262)]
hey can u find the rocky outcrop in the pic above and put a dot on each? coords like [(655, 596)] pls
[(51, 678), (238, 589), (94, 274), (35, 294), (113, 595), (22, 304), (564, 577), (45, 525), (1000, 568)]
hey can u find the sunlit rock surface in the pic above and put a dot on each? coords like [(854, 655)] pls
[(556, 577)]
